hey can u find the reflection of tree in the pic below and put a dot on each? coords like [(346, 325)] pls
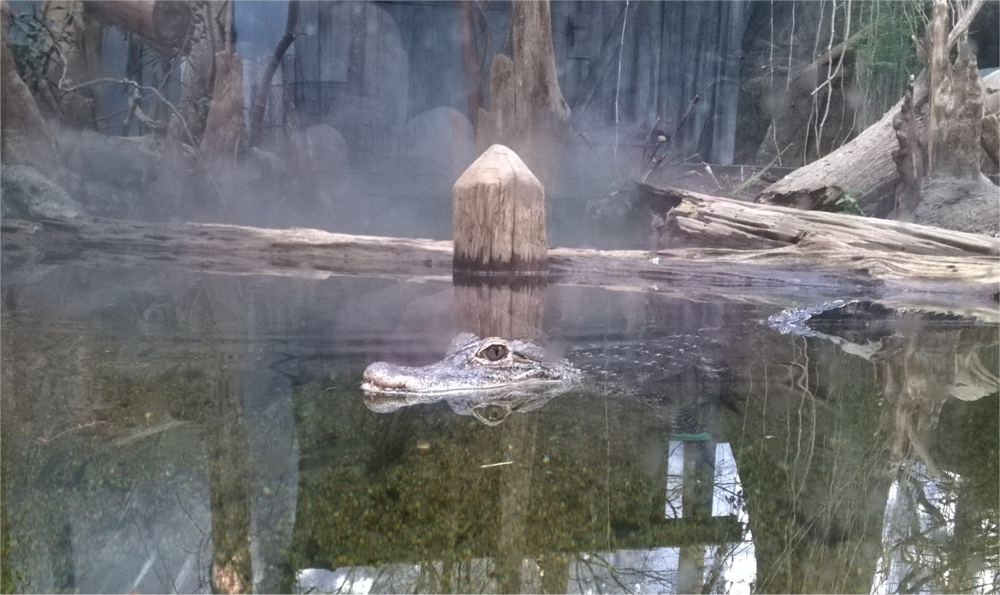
[(808, 461), (933, 540), (826, 420), (922, 369), (654, 571), (229, 490)]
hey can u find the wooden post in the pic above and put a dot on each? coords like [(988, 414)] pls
[(499, 217), (500, 309)]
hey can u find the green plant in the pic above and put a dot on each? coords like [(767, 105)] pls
[(848, 205)]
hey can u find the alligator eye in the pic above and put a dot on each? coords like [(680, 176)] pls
[(494, 352)]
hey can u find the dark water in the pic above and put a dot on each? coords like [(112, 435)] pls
[(171, 431)]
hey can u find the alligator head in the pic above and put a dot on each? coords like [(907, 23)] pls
[(474, 373)]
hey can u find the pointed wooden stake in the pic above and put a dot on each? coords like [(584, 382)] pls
[(499, 216)]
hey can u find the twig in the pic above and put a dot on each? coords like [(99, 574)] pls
[(137, 86), (753, 179), (618, 87), (496, 464), (42, 440)]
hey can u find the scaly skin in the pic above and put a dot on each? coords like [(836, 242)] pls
[(472, 366)]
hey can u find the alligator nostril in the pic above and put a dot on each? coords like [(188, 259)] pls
[(380, 373)]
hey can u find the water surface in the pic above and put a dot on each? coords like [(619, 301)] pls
[(167, 431)]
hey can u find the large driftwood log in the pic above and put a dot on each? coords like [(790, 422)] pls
[(713, 222), (813, 269)]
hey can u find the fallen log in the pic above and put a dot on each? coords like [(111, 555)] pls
[(707, 221), (862, 168), (959, 275)]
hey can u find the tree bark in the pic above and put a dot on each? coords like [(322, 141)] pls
[(264, 88), (198, 77), (941, 140), (470, 62), (711, 222), (77, 42), (862, 168), (224, 124), (499, 216), (162, 23), (527, 111)]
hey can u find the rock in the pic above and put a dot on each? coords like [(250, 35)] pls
[(325, 150), (360, 50), (438, 145), (126, 162), (28, 194), (26, 137), (322, 162), (962, 205)]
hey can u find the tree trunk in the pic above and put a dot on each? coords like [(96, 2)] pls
[(264, 88), (863, 168), (77, 42), (470, 62), (499, 216), (198, 77), (711, 222), (162, 23), (941, 142), (224, 124), (527, 111)]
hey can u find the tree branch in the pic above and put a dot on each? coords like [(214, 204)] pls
[(264, 89)]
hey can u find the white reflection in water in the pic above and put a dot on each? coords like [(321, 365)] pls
[(919, 512)]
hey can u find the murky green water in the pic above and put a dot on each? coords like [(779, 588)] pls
[(170, 431)]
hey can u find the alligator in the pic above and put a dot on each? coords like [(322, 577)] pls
[(492, 377), (486, 378), (857, 317)]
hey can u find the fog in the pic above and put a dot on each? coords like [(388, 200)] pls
[(370, 116)]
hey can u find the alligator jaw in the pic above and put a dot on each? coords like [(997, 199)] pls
[(390, 379), (386, 377)]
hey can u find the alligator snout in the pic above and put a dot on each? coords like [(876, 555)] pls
[(386, 376)]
